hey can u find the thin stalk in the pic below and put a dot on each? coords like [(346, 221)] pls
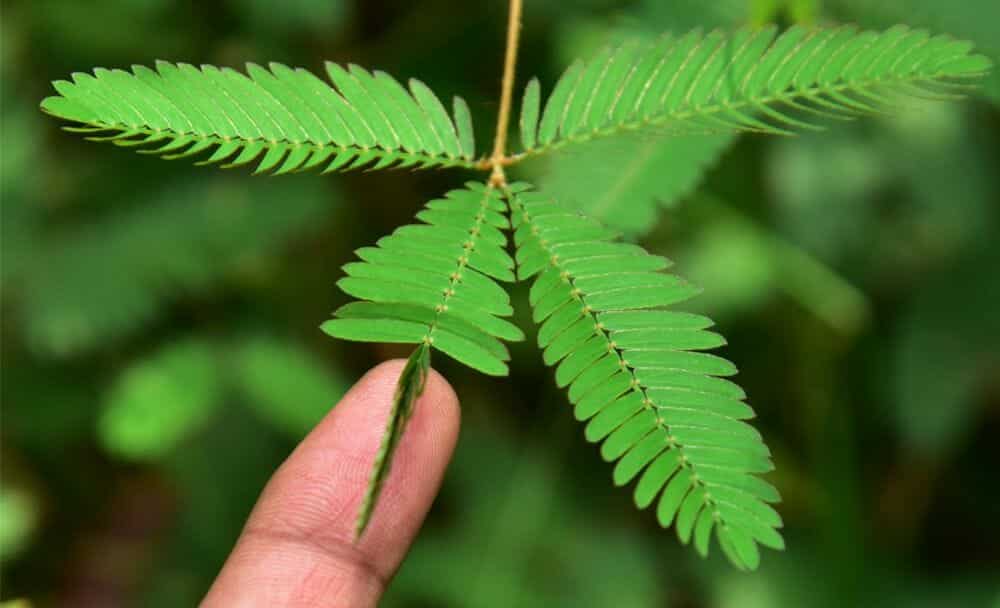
[(498, 158)]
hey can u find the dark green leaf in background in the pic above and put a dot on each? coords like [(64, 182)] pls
[(112, 275), (646, 176)]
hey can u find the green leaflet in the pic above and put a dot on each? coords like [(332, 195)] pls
[(463, 123), (529, 113), (279, 118), (408, 389), (750, 80), (635, 375)]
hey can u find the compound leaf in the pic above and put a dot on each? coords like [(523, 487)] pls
[(750, 80), (432, 284), (280, 118), (663, 410)]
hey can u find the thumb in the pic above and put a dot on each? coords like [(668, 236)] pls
[(297, 548)]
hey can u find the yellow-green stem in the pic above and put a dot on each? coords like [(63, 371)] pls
[(498, 159)]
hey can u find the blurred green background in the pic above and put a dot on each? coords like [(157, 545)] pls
[(161, 354)]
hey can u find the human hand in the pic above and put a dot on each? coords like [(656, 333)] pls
[(297, 548)]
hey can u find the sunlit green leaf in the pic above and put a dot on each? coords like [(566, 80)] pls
[(160, 401), (286, 385)]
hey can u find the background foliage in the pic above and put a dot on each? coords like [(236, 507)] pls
[(161, 353)]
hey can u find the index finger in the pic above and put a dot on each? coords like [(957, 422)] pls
[(297, 548)]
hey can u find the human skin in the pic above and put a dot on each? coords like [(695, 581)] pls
[(297, 548)]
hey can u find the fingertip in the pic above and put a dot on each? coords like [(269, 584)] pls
[(378, 386), (437, 412), (366, 406), (437, 388)]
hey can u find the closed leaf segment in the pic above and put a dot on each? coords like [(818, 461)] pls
[(435, 283), (277, 119), (409, 387), (750, 80), (665, 411)]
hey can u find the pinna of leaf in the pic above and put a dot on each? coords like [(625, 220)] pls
[(636, 371), (408, 389)]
